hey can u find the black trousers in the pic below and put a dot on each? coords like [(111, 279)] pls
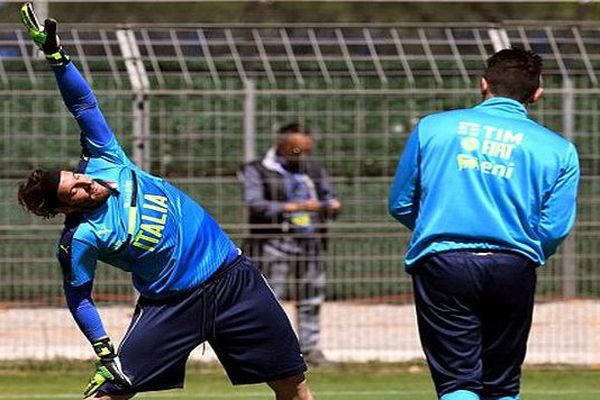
[(474, 312)]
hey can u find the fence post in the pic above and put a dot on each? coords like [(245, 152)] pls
[(568, 250), (41, 9), (140, 85), (499, 39), (249, 120)]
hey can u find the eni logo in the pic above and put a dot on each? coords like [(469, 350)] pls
[(467, 162)]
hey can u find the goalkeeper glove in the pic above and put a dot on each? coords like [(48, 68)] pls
[(44, 37), (108, 368)]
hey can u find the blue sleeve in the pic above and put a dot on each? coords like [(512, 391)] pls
[(254, 195), (83, 309), (78, 263), (403, 202), (559, 208), (83, 263), (81, 102)]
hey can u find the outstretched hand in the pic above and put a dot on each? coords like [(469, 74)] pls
[(44, 37), (108, 368)]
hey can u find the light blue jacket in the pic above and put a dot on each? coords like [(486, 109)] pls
[(486, 177)]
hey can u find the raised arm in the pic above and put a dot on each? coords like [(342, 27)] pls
[(81, 102), (76, 92)]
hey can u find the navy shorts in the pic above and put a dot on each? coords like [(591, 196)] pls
[(474, 313), (235, 311)]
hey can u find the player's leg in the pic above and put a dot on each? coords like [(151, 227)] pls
[(506, 322), (310, 276), (156, 346), (275, 263), (446, 298), (292, 388), (253, 337)]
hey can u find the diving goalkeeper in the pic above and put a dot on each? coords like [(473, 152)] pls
[(194, 284)]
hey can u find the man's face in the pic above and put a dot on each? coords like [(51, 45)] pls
[(295, 148), (78, 192)]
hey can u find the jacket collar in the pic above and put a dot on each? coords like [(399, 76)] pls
[(503, 106), (272, 162)]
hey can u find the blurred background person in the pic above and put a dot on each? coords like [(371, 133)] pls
[(289, 198)]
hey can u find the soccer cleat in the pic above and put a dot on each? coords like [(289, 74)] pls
[(460, 395)]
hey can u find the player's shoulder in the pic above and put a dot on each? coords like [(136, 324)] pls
[(445, 115), (552, 137), (65, 242), (552, 141), (434, 124), (71, 226), (82, 233), (76, 233), (86, 228)]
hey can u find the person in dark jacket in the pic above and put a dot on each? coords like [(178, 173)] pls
[(289, 198)]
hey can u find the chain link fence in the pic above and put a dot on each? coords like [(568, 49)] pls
[(193, 103)]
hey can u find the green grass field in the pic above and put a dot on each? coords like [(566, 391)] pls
[(365, 382)]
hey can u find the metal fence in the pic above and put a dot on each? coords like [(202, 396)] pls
[(192, 103)]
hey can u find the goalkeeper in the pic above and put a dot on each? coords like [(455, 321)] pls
[(194, 285)]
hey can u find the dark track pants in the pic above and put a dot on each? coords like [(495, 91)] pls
[(474, 313)]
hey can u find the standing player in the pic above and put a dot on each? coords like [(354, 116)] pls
[(194, 285), (489, 195)]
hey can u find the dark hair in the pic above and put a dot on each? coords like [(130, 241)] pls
[(294, 127), (38, 194), (514, 73)]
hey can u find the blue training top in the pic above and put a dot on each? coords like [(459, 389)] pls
[(147, 226), (486, 177)]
